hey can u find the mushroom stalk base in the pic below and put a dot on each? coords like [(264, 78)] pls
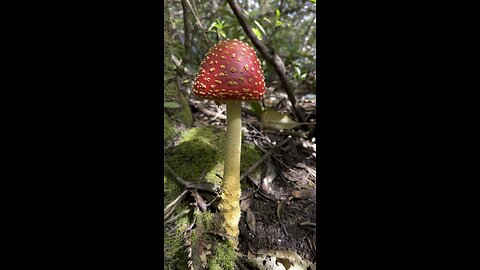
[(230, 203)]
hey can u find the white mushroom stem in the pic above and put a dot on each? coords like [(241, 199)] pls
[(230, 203)]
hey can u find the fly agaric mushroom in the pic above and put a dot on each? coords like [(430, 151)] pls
[(231, 73)]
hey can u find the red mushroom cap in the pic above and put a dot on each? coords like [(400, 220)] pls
[(231, 70)]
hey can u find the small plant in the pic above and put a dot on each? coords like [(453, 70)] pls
[(219, 26)]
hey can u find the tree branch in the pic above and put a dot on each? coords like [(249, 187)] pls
[(269, 55), (199, 24), (186, 30)]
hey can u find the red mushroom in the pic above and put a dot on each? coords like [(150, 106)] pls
[(231, 73)]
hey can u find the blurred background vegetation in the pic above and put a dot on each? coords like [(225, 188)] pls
[(287, 26)]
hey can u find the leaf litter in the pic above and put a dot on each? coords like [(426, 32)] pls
[(279, 203)]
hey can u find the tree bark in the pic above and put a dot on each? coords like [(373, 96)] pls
[(186, 29)]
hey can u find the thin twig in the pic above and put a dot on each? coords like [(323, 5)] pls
[(186, 29), (261, 160), (308, 223), (259, 147), (199, 23), (208, 112), (204, 186), (167, 212), (184, 212), (178, 178)]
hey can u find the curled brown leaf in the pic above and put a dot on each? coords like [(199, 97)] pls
[(304, 194), (250, 220)]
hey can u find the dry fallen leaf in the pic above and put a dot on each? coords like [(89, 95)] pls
[(245, 204), (275, 120), (304, 194), (246, 193), (250, 220), (279, 260), (268, 176), (280, 210)]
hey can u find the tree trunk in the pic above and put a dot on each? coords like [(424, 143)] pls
[(171, 93)]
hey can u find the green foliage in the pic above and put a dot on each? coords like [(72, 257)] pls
[(219, 26), (168, 130), (260, 27), (256, 107), (257, 33), (171, 105), (174, 250), (290, 29)]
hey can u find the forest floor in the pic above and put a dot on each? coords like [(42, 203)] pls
[(278, 203)]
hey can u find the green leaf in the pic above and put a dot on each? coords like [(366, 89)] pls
[(278, 23), (276, 120), (260, 27), (222, 33), (298, 71), (250, 218), (256, 107), (277, 14), (257, 33), (212, 25), (171, 105), (267, 20), (313, 1)]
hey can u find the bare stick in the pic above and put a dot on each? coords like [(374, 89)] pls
[(186, 29), (169, 209), (308, 223), (178, 178), (205, 186), (184, 212), (208, 112), (269, 55)]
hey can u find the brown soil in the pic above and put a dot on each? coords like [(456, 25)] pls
[(269, 234)]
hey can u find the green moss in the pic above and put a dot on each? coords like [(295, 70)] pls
[(171, 88), (168, 130), (171, 190), (175, 256), (185, 115), (208, 221), (174, 253), (203, 149), (224, 257), (250, 155)]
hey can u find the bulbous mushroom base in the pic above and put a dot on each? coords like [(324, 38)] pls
[(230, 207)]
